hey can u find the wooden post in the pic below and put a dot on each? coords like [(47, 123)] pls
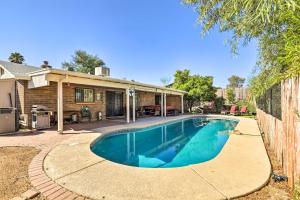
[(182, 105), (127, 106), (60, 111), (165, 104), (162, 104), (133, 106)]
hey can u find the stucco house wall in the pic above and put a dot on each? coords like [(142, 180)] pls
[(7, 87)]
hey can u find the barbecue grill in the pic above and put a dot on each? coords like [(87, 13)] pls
[(40, 117)]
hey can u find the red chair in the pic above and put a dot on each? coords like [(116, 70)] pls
[(243, 110), (234, 110)]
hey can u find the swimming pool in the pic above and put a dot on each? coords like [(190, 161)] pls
[(175, 144)]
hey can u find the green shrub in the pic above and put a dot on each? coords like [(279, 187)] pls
[(296, 192)]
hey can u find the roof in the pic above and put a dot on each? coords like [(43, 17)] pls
[(23, 70), (18, 69), (106, 78)]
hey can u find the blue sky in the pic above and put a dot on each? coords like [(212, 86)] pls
[(143, 40)]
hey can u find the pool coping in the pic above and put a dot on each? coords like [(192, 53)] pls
[(206, 174)]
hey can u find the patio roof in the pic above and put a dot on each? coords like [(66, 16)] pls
[(89, 79), (27, 72)]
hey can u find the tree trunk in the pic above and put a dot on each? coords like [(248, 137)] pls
[(191, 104)]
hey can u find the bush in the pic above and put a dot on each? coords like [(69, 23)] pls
[(296, 192), (219, 102)]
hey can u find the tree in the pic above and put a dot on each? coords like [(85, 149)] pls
[(235, 81), (165, 81), (230, 95), (16, 58), (219, 102), (83, 62), (199, 88), (274, 23)]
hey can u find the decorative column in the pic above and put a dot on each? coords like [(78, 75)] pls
[(127, 106), (60, 111), (162, 104), (133, 106), (165, 104), (182, 105)]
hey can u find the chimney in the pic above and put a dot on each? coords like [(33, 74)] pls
[(102, 71), (46, 65)]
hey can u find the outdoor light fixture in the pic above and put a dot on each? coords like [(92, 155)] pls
[(131, 91)]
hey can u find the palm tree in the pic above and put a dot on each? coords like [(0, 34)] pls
[(16, 58)]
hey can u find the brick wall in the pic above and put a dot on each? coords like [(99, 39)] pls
[(47, 96), (174, 101), (98, 106), (146, 98)]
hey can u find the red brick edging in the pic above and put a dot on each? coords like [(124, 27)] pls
[(47, 187)]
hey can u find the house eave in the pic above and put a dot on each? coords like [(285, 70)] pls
[(106, 79), (27, 78)]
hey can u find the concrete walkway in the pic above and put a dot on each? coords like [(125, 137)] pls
[(50, 137), (241, 168)]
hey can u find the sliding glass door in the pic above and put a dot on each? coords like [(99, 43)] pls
[(114, 103)]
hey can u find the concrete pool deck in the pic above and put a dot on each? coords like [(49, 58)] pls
[(241, 168)]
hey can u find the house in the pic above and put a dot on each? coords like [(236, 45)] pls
[(239, 93), (65, 92)]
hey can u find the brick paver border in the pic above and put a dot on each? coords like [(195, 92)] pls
[(47, 187)]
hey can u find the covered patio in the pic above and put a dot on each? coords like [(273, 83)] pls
[(104, 97)]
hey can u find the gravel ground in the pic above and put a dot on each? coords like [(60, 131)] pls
[(14, 163)]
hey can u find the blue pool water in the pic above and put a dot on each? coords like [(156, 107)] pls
[(176, 144)]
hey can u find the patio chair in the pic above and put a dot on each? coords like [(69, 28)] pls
[(225, 110), (149, 110), (140, 112), (234, 110), (171, 111), (157, 110), (86, 113), (243, 110)]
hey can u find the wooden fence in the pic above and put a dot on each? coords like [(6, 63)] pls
[(283, 134)]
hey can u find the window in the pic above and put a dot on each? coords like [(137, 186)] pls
[(83, 95), (1, 71), (157, 99)]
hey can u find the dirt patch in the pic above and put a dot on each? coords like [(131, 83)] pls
[(273, 190), (39, 197), (14, 163)]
